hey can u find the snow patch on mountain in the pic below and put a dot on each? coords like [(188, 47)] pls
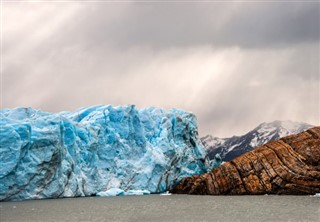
[(209, 141), (229, 148)]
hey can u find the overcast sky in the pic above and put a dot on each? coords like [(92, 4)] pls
[(234, 65)]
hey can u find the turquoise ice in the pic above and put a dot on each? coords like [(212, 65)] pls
[(95, 149)]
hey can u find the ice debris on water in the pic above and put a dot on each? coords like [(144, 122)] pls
[(111, 193), (119, 192), (136, 192), (316, 195), (167, 193), (82, 153)]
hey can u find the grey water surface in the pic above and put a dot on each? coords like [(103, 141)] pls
[(165, 208)]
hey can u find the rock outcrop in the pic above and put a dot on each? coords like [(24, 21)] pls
[(290, 165)]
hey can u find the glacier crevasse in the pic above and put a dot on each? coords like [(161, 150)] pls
[(82, 153)]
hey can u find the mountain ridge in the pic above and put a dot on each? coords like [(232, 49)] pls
[(232, 147)]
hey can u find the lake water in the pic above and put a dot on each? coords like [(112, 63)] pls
[(165, 208)]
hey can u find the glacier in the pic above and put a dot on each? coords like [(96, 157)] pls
[(95, 149)]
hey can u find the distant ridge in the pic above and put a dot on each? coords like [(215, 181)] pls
[(230, 148)]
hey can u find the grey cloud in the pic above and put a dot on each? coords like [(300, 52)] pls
[(165, 25), (233, 65), (272, 85), (274, 24)]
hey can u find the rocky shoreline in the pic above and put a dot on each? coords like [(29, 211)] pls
[(290, 165)]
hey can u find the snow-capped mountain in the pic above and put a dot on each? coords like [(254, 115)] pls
[(230, 148)]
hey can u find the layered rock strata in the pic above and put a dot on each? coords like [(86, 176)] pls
[(290, 165)]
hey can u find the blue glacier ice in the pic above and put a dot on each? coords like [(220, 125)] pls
[(119, 192), (95, 149), (111, 192)]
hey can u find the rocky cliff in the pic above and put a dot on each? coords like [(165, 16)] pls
[(290, 165)]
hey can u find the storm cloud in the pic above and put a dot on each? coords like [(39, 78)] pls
[(234, 65)]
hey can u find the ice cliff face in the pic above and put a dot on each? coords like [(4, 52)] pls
[(45, 155)]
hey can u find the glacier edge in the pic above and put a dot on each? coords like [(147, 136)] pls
[(94, 149)]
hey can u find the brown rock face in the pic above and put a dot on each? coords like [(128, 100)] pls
[(290, 165)]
